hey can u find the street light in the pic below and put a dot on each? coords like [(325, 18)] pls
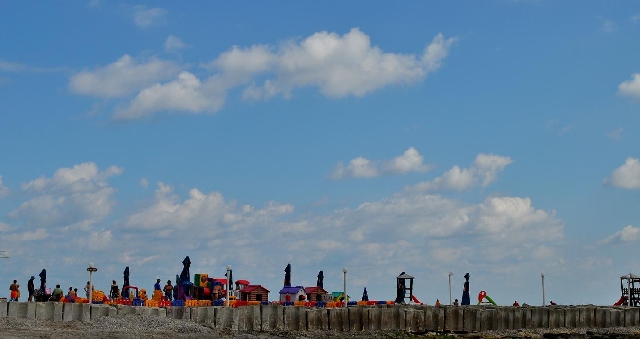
[(91, 269), (543, 300), (346, 299), (228, 283), (450, 274)]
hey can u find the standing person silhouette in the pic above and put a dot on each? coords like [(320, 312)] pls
[(466, 300)]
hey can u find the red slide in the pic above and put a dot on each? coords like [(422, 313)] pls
[(622, 300), (415, 300)]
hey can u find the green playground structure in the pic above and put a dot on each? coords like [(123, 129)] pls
[(482, 296)]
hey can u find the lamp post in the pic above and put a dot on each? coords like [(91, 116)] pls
[(450, 274), (91, 269), (228, 283), (543, 300), (346, 299)]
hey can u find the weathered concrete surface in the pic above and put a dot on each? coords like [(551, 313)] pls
[(539, 317), (57, 311), (17, 310), (602, 317), (488, 319), (85, 309), (71, 312), (294, 319), (4, 306), (44, 311), (375, 318), (339, 319), (587, 316), (556, 317), (631, 316), (415, 319), (616, 317), (355, 319), (434, 318), (571, 317), (315, 320), (272, 317), (470, 318), (101, 311)]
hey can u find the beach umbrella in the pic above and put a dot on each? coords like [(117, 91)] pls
[(320, 282), (287, 275), (125, 291)]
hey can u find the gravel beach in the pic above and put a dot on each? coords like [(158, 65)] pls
[(144, 327)]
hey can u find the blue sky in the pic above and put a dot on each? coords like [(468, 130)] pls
[(498, 138)]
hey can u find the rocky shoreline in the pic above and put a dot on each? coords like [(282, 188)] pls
[(147, 327)]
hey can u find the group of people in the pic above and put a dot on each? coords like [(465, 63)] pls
[(15, 290)]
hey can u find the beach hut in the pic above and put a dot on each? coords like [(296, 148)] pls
[(292, 293), (317, 293), (254, 293)]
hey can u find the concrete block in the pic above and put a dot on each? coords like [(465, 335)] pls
[(602, 317), (471, 320), (71, 312), (556, 317), (587, 316), (85, 309), (338, 319), (57, 311), (415, 320), (272, 317), (539, 317), (155, 311), (31, 310), (314, 319), (374, 316), (616, 317), (519, 317), (292, 318), (4, 308), (488, 319), (388, 319), (186, 313), (227, 318), (453, 318), (176, 312), (505, 318), (100, 311), (571, 317), (434, 318), (355, 319), (632, 317), (44, 311), (17, 310)]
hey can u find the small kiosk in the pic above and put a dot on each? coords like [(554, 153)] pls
[(629, 290)]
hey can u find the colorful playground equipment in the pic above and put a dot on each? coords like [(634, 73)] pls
[(483, 296), (629, 293)]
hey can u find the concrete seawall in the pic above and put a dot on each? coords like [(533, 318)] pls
[(409, 318)]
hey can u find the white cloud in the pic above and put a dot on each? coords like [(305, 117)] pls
[(609, 26), (339, 66), (186, 93), (4, 190), (144, 182), (628, 234), (627, 175), (630, 88), (93, 3), (173, 43), (635, 18), (145, 17), (76, 197), (123, 77), (617, 134), (38, 234), (483, 171), (410, 161)]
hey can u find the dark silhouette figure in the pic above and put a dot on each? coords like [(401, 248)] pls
[(365, 295), (43, 280), (466, 300), (320, 282), (31, 288), (229, 280), (125, 291), (287, 275), (185, 276)]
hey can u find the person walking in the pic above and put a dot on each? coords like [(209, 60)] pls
[(31, 288)]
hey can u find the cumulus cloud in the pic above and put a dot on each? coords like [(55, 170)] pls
[(483, 172), (122, 77), (74, 197), (628, 234), (410, 161), (173, 43), (144, 182), (185, 94), (627, 175), (4, 190), (145, 17), (339, 66), (630, 88)]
